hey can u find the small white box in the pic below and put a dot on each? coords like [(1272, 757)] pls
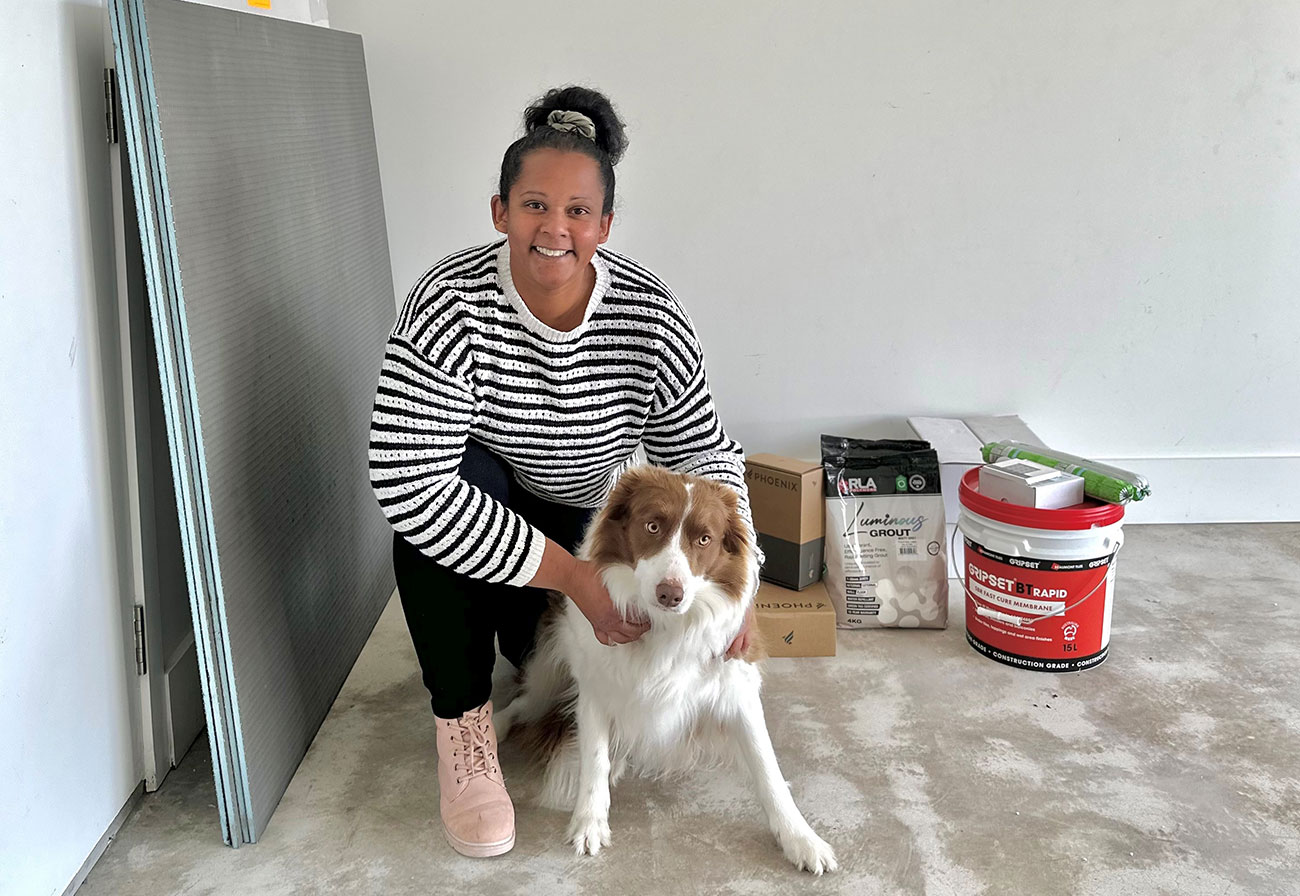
[(1030, 484)]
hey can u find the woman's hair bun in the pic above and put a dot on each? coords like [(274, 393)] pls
[(570, 133), (611, 138)]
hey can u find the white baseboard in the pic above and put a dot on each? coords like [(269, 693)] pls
[(116, 825), (1224, 489), (1215, 489), (1203, 490)]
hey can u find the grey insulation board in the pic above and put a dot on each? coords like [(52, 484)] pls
[(282, 292), (147, 178)]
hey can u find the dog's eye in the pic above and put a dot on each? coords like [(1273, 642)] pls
[(652, 527), (705, 539)]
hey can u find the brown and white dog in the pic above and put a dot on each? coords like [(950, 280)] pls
[(675, 549)]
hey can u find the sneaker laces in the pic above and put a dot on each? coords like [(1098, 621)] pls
[(476, 743)]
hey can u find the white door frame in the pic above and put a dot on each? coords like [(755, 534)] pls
[(151, 740), (161, 739)]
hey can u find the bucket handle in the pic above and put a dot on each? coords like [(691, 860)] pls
[(990, 613)]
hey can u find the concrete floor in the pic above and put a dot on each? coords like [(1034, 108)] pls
[(1170, 769)]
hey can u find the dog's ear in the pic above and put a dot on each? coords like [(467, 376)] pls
[(607, 539), (736, 537), (620, 499)]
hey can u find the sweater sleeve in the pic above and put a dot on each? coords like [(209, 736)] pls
[(418, 432), (683, 432)]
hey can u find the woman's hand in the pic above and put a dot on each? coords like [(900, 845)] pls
[(743, 638), (588, 592), (579, 581)]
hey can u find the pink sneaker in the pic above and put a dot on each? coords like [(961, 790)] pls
[(477, 814)]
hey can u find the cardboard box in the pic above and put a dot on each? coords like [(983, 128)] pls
[(786, 497), (796, 623), (958, 444), (1030, 484)]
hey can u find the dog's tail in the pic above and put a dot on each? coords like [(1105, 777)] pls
[(560, 781), (541, 738), (552, 742)]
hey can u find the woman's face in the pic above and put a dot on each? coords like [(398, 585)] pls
[(553, 221)]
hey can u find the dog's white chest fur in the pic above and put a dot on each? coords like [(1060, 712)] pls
[(666, 694)]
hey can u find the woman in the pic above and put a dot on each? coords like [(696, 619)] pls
[(517, 383)]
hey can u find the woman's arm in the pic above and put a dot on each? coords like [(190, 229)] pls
[(684, 434), (417, 439), (579, 581), (418, 434)]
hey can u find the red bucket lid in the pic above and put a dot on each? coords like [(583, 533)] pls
[(1088, 515)]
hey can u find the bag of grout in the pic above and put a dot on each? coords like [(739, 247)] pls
[(886, 561)]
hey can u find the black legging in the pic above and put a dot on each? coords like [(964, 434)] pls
[(453, 618)]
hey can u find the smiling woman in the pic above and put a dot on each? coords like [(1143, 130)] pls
[(519, 381), (552, 221)]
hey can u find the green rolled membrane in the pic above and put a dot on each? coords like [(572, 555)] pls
[(1100, 481)]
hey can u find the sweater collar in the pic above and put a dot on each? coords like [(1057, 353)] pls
[(530, 321)]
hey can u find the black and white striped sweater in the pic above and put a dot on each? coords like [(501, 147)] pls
[(565, 410)]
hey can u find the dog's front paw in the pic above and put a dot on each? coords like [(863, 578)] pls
[(808, 852), (588, 833)]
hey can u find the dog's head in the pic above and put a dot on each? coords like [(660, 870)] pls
[(677, 535)]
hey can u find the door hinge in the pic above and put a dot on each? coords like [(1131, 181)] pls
[(141, 667), (110, 104)]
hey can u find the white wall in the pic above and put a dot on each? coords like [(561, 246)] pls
[(1082, 213), (67, 741)]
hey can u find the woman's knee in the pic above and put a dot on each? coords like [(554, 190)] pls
[(485, 471)]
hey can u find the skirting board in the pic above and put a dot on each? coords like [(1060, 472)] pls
[(1216, 489), (1203, 490), (1213, 489), (116, 825)]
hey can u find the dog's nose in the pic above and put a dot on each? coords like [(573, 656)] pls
[(669, 594)]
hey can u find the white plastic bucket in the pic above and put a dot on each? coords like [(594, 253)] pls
[(1039, 584)]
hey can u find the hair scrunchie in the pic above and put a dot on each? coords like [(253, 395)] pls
[(575, 122)]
